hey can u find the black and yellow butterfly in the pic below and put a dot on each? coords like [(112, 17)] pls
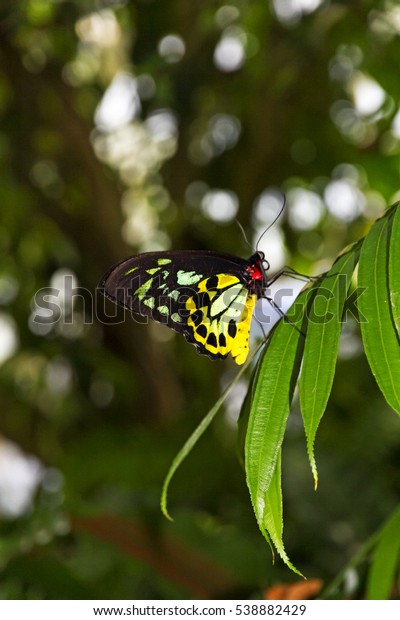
[(208, 297)]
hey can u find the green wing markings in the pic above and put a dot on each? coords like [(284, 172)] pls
[(142, 290), (130, 271), (186, 278)]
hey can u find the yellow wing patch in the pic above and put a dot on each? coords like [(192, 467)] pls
[(220, 315)]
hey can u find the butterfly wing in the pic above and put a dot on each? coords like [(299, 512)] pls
[(204, 296)]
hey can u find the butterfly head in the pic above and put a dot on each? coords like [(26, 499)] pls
[(257, 272)]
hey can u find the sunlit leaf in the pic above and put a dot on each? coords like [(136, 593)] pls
[(321, 346), (379, 335), (268, 415), (394, 268)]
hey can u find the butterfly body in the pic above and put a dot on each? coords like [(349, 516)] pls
[(207, 297)]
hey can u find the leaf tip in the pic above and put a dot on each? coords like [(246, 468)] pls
[(313, 464), (165, 512), (163, 505)]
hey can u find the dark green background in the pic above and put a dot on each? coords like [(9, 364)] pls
[(105, 408)]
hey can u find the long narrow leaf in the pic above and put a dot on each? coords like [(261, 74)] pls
[(198, 432), (273, 521), (394, 269), (273, 515), (385, 564), (321, 346), (243, 419), (379, 335), (267, 421)]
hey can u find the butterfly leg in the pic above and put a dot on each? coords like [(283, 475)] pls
[(282, 314), (292, 273)]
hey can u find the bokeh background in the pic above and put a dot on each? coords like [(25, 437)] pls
[(154, 124)]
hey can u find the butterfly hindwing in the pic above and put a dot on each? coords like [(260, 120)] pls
[(219, 322), (205, 296)]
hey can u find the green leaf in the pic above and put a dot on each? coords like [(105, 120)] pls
[(321, 346), (198, 432), (244, 415), (273, 515), (273, 512), (379, 335), (270, 408), (394, 269), (385, 563), (189, 445)]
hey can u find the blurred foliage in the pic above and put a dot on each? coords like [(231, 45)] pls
[(150, 124)]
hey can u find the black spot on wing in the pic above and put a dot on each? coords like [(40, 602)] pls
[(212, 340), (202, 331), (222, 340), (232, 328), (201, 347), (212, 283), (197, 317)]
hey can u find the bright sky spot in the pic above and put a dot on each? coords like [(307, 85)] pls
[(19, 477), (8, 337), (52, 303), (290, 11), (349, 343), (229, 54), (64, 283), (344, 200), (172, 48), (220, 205), (305, 208), (162, 124), (235, 399), (267, 205), (119, 105), (396, 125), (101, 28), (272, 244), (283, 292), (367, 95), (385, 23)]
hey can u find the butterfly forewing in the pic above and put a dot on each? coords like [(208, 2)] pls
[(208, 297)]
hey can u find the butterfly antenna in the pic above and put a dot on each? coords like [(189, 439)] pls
[(273, 222), (244, 234)]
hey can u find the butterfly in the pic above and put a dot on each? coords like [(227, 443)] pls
[(206, 296)]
